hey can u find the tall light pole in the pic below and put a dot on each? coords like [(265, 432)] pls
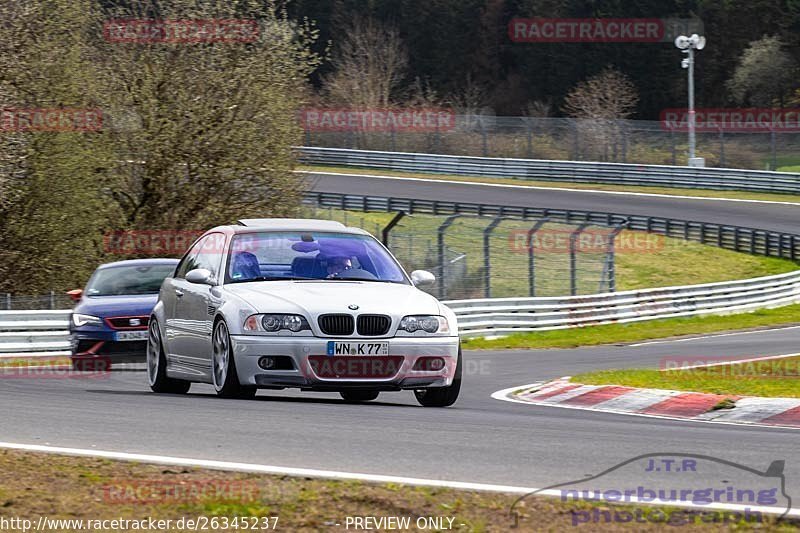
[(688, 45)]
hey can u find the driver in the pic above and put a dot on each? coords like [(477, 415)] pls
[(337, 265)]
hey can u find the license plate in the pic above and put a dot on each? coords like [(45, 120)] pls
[(358, 348), (122, 336)]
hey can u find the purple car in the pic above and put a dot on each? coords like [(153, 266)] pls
[(110, 319)]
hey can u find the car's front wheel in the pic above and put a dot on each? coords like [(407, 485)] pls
[(442, 396), (223, 372), (358, 396), (157, 365)]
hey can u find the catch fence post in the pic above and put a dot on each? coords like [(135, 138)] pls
[(531, 257), (487, 255), (392, 223), (573, 258), (442, 258)]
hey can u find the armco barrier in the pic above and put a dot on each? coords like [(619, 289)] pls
[(30, 331), (573, 171), (502, 316), (34, 332)]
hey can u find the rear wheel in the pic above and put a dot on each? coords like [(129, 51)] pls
[(358, 396), (157, 366), (442, 396), (223, 373)]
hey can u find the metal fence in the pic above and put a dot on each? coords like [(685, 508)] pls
[(486, 257), (741, 239), (625, 141), (53, 300), (541, 170)]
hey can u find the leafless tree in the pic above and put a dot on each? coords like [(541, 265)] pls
[(606, 95), (370, 63), (598, 104)]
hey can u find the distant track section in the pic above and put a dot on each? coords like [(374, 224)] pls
[(572, 171)]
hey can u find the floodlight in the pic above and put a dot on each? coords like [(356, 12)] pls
[(682, 42)]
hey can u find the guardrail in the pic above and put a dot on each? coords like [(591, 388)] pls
[(44, 332), (503, 316), (37, 332), (573, 171)]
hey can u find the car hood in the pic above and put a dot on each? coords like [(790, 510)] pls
[(105, 306), (313, 298)]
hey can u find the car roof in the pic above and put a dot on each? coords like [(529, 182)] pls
[(141, 262), (251, 225)]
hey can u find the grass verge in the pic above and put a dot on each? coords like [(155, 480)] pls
[(776, 378), (706, 193), (34, 485), (640, 331)]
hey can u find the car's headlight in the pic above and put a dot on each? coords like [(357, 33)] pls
[(426, 323), (274, 322), (79, 320)]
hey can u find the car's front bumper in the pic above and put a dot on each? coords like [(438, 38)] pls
[(304, 351)]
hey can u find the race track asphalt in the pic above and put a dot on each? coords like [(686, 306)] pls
[(770, 216)]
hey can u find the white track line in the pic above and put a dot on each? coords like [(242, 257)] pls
[(332, 474), (542, 188), (689, 339)]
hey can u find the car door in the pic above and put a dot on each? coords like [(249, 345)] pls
[(174, 291), (198, 306)]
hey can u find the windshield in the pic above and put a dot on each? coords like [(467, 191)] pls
[(128, 280), (307, 255)]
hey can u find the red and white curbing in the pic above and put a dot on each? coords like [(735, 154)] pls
[(773, 412)]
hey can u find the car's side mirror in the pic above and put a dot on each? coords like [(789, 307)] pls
[(75, 294), (422, 278), (201, 276)]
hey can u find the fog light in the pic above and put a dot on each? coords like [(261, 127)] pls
[(429, 364), (437, 363), (267, 363)]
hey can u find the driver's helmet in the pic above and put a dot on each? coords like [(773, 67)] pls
[(338, 263)]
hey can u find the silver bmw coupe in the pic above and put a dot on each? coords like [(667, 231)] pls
[(308, 304)]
